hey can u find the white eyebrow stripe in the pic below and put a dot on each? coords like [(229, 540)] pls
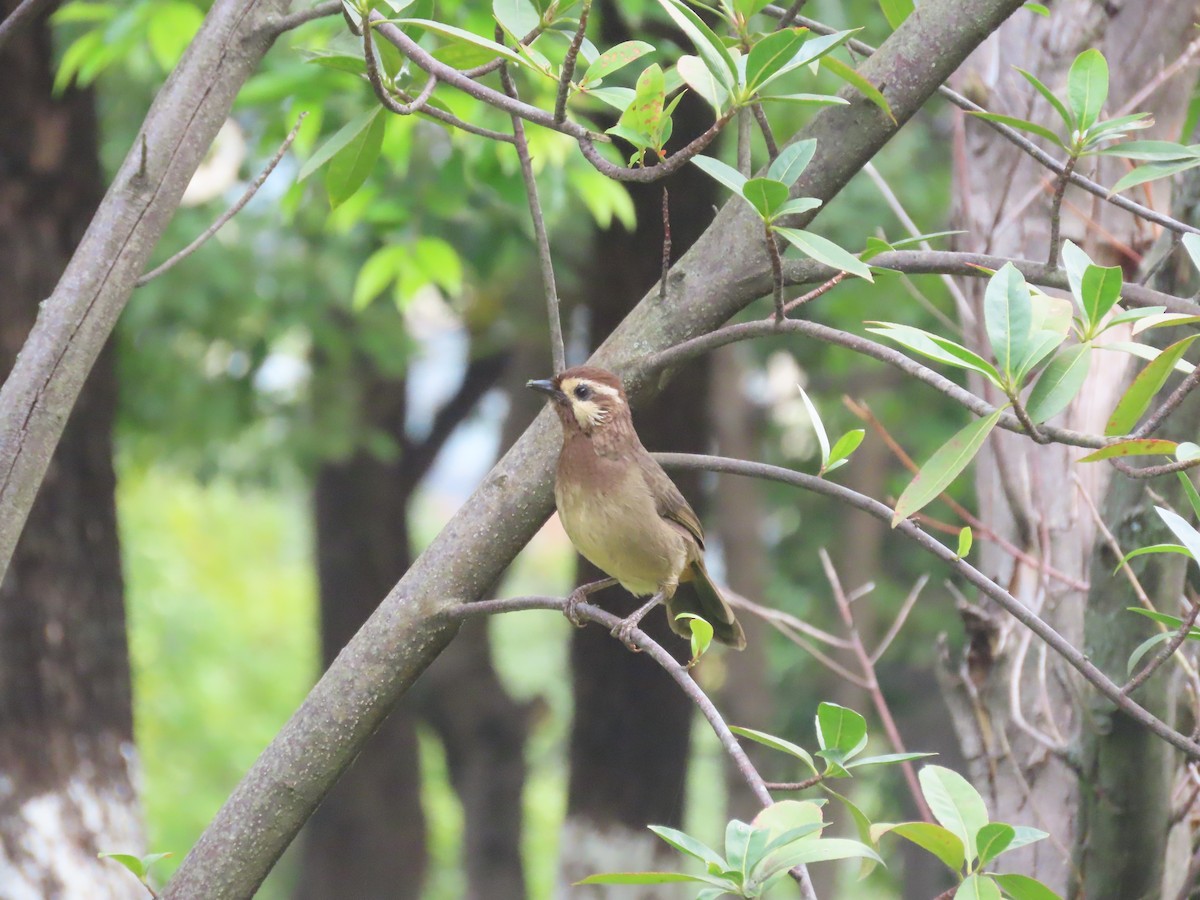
[(603, 389)]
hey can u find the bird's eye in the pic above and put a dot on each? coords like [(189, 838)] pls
[(583, 392)]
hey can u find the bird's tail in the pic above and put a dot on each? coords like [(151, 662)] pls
[(705, 600)]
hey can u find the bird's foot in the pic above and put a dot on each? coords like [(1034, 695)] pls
[(574, 600), (623, 632)]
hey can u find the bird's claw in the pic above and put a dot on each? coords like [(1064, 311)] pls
[(623, 632), (575, 599)]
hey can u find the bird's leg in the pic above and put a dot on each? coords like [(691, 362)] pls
[(579, 596), (623, 631)]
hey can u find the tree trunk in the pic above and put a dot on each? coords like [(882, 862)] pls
[(1027, 493), (66, 726)]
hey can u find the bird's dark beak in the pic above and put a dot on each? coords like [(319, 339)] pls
[(547, 387)]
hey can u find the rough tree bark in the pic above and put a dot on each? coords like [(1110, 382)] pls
[(1026, 492), (67, 763), (723, 272)]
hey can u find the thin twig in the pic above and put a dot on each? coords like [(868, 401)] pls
[(901, 617), (1181, 62), (1060, 187), (1075, 658), (814, 293), (867, 668), (1154, 471), (488, 67), (694, 347), (1166, 652), (776, 273), (789, 17), (220, 221), (1018, 409), (568, 66), (772, 615), (680, 674), (304, 16), (795, 785), (666, 245), (764, 126), (558, 351), (1016, 138)]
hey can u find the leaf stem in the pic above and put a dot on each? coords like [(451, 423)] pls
[(1060, 187), (568, 66)]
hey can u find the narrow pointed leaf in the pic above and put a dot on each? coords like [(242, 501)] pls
[(1148, 382), (468, 37), (818, 425), (726, 174), (965, 539), (617, 58), (843, 447), (799, 205), (792, 161), (1153, 548), (344, 136), (826, 251), (1120, 449), (651, 878), (1049, 96), (1189, 489), (1087, 87), (1187, 535), (700, 79), (770, 54), (1152, 172), (1022, 887), (685, 843), (936, 347), (1059, 382), (1143, 648), (860, 83), (941, 842), (943, 467), (708, 46), (1191, 243), (1008, 315), (1100, 290), (776, 743), (352, 164), (1152, 151), (1021, 125)]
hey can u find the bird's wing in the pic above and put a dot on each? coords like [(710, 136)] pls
[(670, 503)]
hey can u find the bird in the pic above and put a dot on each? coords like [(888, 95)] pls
[(623, 512)]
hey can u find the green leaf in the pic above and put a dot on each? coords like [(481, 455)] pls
[(379, 270), (700, 79), (1021, 125), (856, 80), (1087, 87), (1152, 151), (792, 161), (702, 635), (939, 841), (464, 36), (1189, 489), (1037, 8), (1022, 887), (955, 804), (1169, 621), (936, 347), (842, 448), (787, 817), (825, 251), (645, 114), (1148, 382), (617, 97), (814, 49), (818, 426), (770, 54), (1152, 172), (799, 205), (685, 843), (888, 759), (840, 728), (335, 144), (170, 29), (1144, 351), (650, 878), (1059, 382), (766, 195), (133, 863), (992, 840), (726, 174), (1076, 262), (352, 164), (1115, 129), (738, 836), (777, 743), (977, 887), (517, 17), (1191, 243), (896, 11), (616, 58), (805, 99), (1049, 96), (709, 47), (1187, 535), (810, 851), (1154, 548), (965, 539), (1144, 447), (1143, 648), (1100, 290), (1008, 314)]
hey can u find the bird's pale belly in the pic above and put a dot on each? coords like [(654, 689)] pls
[(632, 544)]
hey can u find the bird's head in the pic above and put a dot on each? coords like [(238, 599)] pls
[(586, 398)]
